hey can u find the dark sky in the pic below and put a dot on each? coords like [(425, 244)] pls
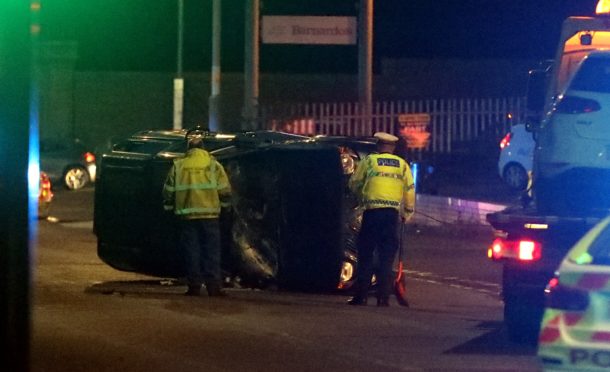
[(141, 34)]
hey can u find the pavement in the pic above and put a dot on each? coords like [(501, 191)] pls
[(458, 191), (468, 177)]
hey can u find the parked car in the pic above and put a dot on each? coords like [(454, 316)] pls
[(516, 157), (575, 332), (45, 196), (293, 222), (67, 163)]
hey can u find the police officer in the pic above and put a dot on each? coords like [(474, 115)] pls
[(195, 189), (384, 184)]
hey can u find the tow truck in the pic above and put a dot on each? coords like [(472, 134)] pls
[(529, 242)]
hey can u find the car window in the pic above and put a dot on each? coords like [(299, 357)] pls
[(599, 250), (593, 76), (142, 146), (211, 144)]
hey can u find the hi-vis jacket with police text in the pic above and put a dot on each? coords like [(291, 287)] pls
[(196, 186), (384, 181)]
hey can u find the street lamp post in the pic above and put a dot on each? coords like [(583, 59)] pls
[(251, 65), (365, 62), (214, 123), (179, 80)]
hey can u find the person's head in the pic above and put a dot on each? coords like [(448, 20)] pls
[(386, 142), (195, 143)]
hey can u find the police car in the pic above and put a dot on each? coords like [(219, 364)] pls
[(575, 329)]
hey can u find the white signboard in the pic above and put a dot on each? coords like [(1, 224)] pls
[(309, 30)]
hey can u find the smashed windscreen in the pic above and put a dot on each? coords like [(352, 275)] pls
[(150, 147)]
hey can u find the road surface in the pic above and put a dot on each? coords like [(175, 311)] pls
[(90, 317)]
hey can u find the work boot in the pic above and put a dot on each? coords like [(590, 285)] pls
[(193, 290), (357, 301), (383, 302)]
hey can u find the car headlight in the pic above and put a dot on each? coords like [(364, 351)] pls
[(348, 160), (347, 272)]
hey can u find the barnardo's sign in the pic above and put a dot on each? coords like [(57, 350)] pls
[(309, 30)]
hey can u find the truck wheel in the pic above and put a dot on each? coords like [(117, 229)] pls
[(522, 322)]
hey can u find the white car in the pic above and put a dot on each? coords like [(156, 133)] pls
[(516, 157), (572, 156), (575, 329)]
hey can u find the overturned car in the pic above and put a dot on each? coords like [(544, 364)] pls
[(292, 224)]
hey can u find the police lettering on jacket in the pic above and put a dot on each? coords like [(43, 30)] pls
[(384, 181)]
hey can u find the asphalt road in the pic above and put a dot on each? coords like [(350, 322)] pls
[(90, 317)]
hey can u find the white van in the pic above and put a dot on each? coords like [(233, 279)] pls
[(572, 155)]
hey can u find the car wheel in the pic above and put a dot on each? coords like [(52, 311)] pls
[(515, 176), (76, 178)]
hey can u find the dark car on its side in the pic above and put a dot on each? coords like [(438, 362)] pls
[(292, 221)]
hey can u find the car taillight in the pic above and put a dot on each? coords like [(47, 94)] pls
[(522, 250), (506, 140), (577, 105), (89, 157), (561, 297)]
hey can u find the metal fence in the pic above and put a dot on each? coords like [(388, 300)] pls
[(453, 122)]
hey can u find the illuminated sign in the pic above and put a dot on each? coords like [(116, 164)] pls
[(309, 30)]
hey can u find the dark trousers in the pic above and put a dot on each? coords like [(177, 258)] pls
[(377, 233), (200, 243)]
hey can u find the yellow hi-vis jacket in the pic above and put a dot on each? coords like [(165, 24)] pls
[(196, 186), (384, 181)]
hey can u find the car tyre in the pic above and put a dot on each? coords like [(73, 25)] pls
[(76, 177), (515, 176)]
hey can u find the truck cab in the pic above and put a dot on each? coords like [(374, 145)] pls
[(572, 153), (568, 103)]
